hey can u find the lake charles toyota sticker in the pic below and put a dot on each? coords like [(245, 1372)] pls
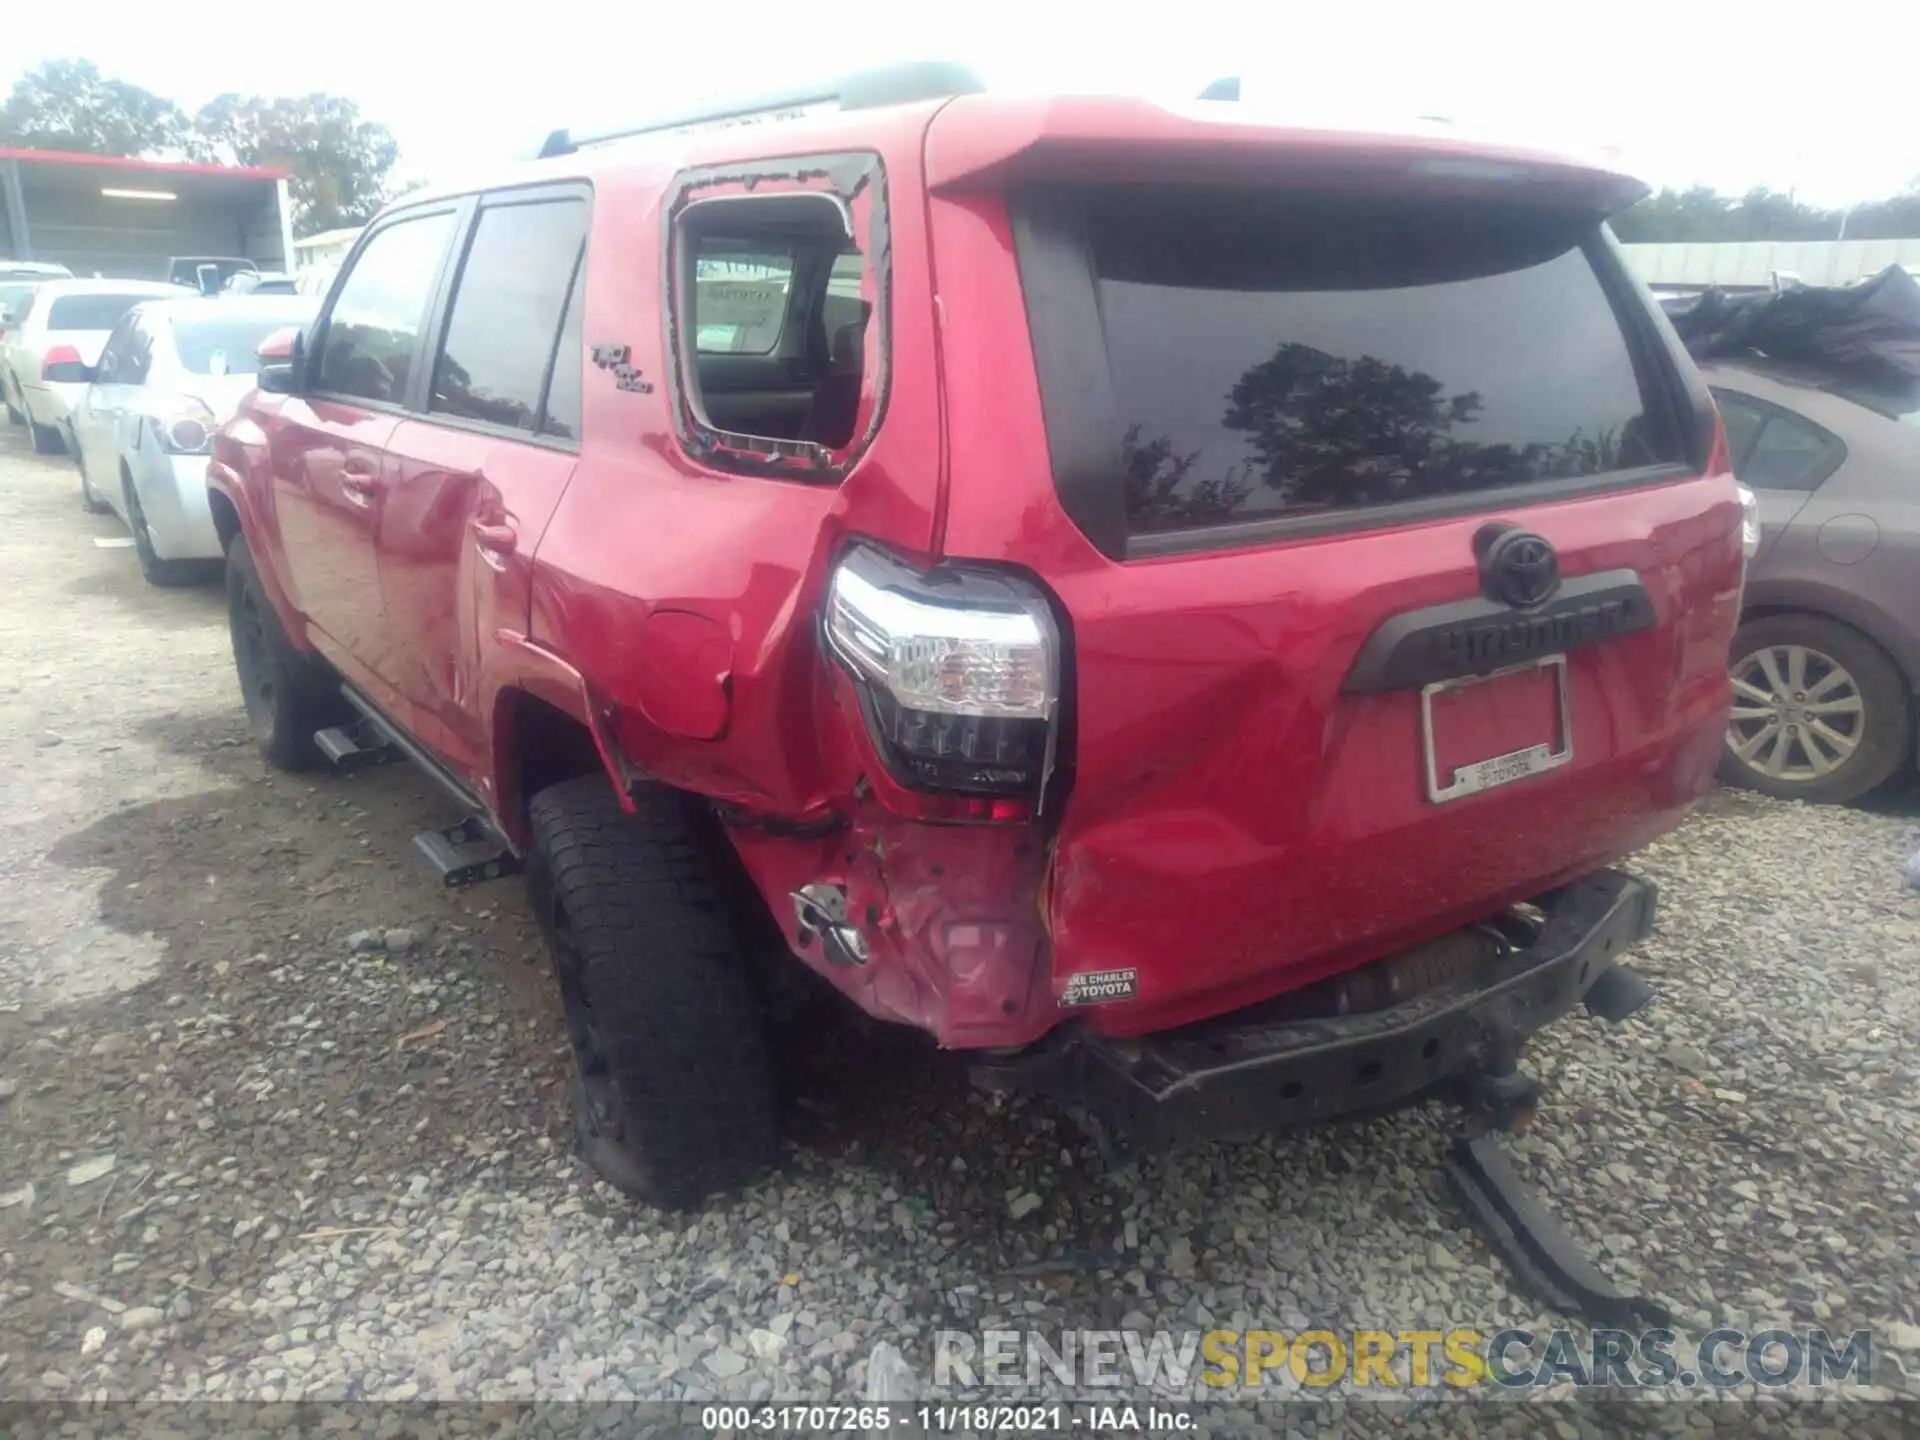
[(1097, 987)]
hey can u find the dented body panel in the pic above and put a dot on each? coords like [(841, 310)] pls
[(1229, 821)]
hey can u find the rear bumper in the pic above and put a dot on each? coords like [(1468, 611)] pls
[(1258, 1069), (50, 403)]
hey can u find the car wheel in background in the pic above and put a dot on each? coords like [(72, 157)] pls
[(1819, 711), (673, 1092), (15, 416), (46, 439), (90, 500), (288, 695), (157, 571)]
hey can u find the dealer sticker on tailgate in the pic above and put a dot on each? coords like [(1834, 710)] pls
[(1097, 987)]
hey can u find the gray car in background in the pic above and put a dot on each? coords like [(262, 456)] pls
[(1826, 665)]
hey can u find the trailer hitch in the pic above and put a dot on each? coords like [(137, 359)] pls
[(1543, 1257)]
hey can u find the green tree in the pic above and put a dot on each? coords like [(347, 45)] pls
[(70, 105), (339, 162), (1896, 218), (1762, 214)]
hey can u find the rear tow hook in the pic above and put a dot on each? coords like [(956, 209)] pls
[(1543, 1256)]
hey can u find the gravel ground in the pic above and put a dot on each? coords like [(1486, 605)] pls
[(281, 1119)]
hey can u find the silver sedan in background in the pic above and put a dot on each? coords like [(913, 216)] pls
[(169, 375)]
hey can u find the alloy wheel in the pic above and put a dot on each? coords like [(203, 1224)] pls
[(1798, 714)]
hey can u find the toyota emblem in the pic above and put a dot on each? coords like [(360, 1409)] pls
[(1520, 569)]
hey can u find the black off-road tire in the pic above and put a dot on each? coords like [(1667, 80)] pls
[(1885, 740), (288, 695), (673, 1092)]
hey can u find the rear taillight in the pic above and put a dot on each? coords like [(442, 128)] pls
[(958, 672), (1749, 523)]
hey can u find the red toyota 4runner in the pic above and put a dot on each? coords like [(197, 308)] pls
[(1187, 609)]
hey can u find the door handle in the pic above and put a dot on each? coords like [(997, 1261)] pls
[(496, 539), (360, 486)]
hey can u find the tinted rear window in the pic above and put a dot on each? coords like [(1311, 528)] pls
[(90, 312), (1282, 354)]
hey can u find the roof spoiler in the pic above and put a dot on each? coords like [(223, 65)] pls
[(862, 90)]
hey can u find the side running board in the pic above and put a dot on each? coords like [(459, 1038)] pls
[(460, 855), (465, 854), (355, 746)]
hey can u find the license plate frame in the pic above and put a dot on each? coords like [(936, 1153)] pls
[(1480, 776)]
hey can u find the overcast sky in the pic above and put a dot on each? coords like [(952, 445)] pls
[(1676, 93)]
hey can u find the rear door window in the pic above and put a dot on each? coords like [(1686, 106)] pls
[(507, 312), (1283, 355), (370, 335), (1743, 422), (1792, 454), (98, 311), (136, 360), (106, 370), (1774, 449), (560, 416)]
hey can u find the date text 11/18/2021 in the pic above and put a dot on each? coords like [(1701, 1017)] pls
[(954, 1419)]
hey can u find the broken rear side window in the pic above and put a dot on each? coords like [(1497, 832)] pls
[(773, 302), (1277, 354)]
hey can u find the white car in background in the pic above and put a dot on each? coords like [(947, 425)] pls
[(72, 316), (18, 279), (169, 375)]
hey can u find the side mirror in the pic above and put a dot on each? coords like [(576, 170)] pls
[(63, 366), (281, 357)]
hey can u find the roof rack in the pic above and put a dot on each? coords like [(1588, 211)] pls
[(862, 90)]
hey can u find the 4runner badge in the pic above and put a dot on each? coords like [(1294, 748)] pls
[(626, 375), (1098, 987)]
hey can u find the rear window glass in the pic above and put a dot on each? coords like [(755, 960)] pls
[(90, 312), (12, 293), (1283, 354), (226, 346)]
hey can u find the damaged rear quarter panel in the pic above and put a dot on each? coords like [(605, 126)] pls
[(662, 554), (952, 916)]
